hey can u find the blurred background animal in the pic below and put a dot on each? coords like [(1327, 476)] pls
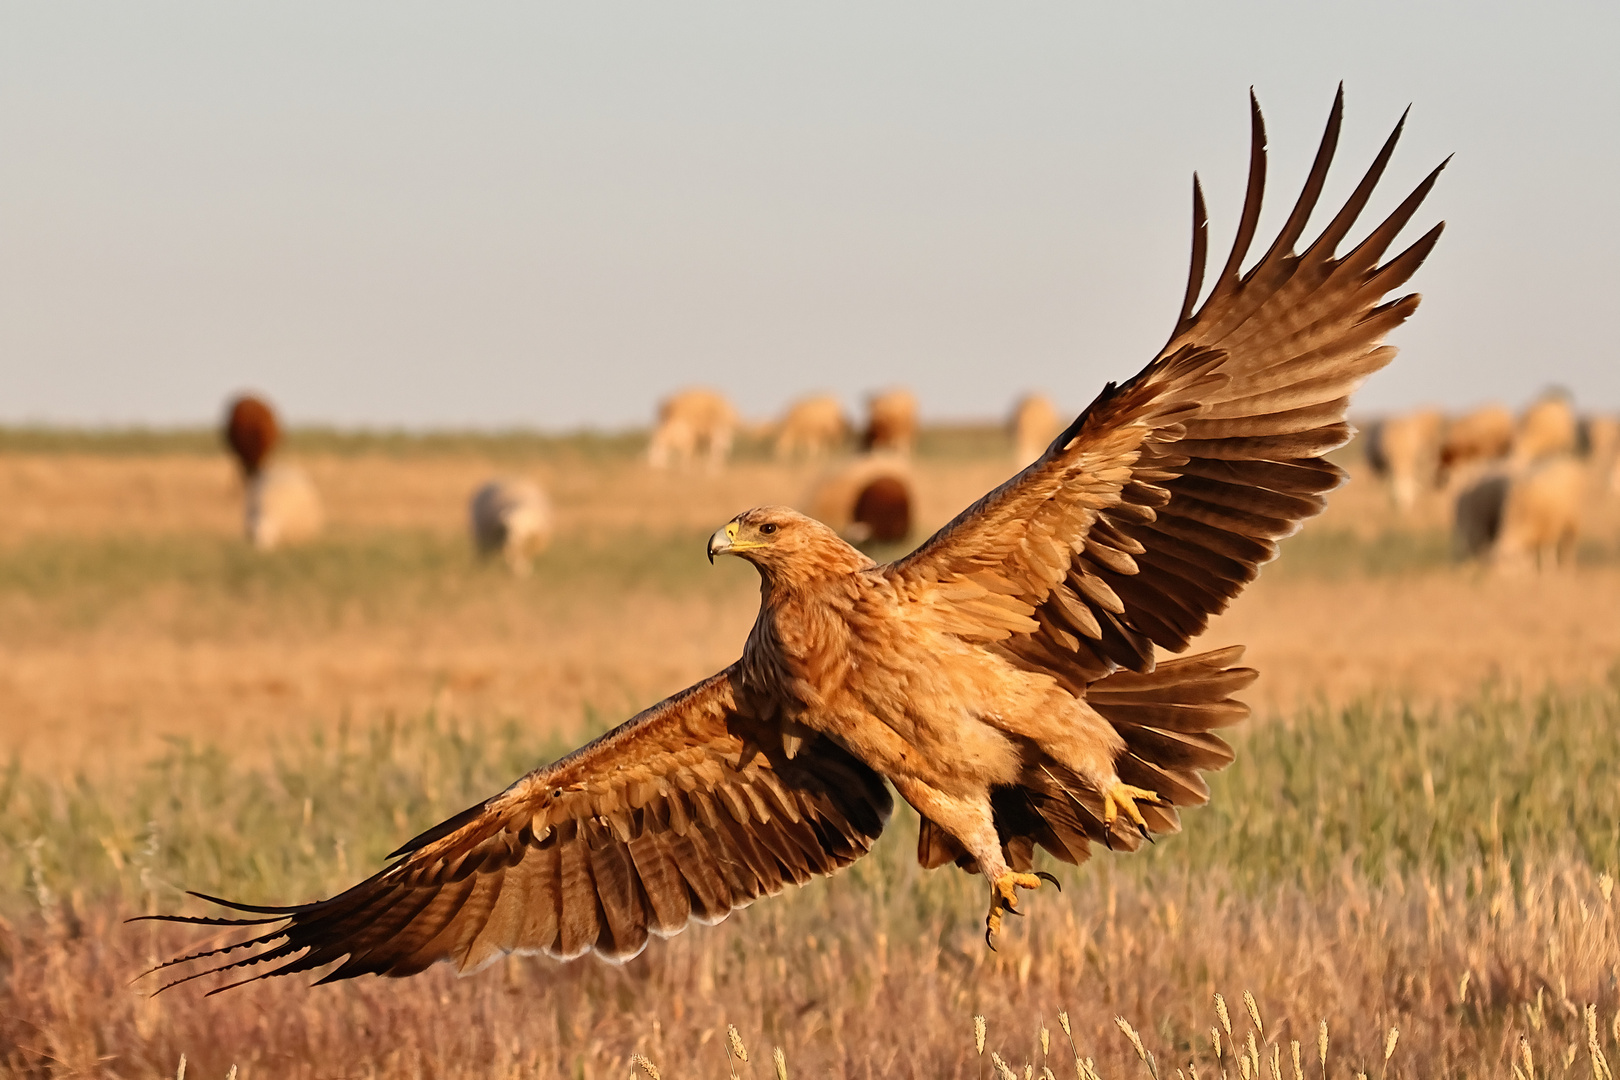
[(280, 503), (1474, 440), (283, 507), (1548, 428), (813, 427), (1522, 518), (870, 499), (1034, 423), (1404, 450), (1603, 450), (891, 422), (251, 432), (511, 517), (691, 422)]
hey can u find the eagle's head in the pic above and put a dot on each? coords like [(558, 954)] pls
[(786, 546)]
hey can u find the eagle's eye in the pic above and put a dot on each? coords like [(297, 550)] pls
[(768, 528)]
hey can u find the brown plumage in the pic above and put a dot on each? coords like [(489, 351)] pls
[(251, 432), (1002, 677)]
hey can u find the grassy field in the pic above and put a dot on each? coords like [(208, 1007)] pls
[(1420, 834)]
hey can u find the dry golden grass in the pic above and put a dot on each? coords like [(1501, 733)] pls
[(1395, 849)]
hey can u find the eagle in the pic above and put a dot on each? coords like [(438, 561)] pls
[(1016, 678)]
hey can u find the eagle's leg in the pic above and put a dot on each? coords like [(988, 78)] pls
[(1120, 795), (967, 817)]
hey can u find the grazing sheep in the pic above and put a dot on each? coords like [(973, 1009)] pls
[(1548, 428), (283, 507), (1035, 423), (1477, 438), (511, 517), (1603, 451), (891, 424), (690, 421), (1405, 451), (813, 427), (868, 499), (251, 432), (1517, 519)]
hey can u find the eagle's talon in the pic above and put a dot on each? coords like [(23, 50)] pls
[(1004, 898), (1122, 796), (1044, 876)]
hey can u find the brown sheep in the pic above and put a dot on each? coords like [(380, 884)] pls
[(1547, 428), (1519, 519), (891, 424), (1477, 438), (1405, 451), (868, 499), (813, 427), (691, 421), (251, 432), (1035, 423)]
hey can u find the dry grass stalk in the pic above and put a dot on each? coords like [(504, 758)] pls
[(779, 1060)]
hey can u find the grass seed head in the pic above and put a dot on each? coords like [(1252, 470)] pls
[(645, 1066), (1130, 1033), (180, 1073), (1390, 1040), (1215, 1037), (978, 1033), (1321, 1044), (1046, 1041), (1299, 1069), (1063, 1022), (1254, 1012), (1220, 1011), (779, 1059), (737, 1047), (1002, 1071)]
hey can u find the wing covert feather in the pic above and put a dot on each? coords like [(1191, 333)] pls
[(656, 824)]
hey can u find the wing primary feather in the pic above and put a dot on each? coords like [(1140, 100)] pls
[(1345, 220), (1250, 221), (1200, 255), (1367, 253), (1315, 180)]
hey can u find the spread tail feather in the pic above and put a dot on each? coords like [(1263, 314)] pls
[(1167, 718)]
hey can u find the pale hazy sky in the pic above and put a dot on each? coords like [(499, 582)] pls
[(476, 214)]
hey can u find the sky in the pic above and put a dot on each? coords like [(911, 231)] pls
[(525, 214)]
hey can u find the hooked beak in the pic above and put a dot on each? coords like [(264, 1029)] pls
[(725, 542), (721, 542)]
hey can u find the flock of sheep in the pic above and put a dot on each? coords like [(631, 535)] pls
[(869, 498), (1517, 485)]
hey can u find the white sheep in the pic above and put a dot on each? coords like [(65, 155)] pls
[(283, 507), (1523, 517), (1035, 423), (813, 427), (1405, 451), (891, 424), (511, 517), (690, 420)]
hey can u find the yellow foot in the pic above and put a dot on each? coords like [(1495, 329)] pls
[(1004, 897), (1124, 796)]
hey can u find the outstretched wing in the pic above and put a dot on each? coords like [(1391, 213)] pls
[(674, 816), (1160, 502)]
